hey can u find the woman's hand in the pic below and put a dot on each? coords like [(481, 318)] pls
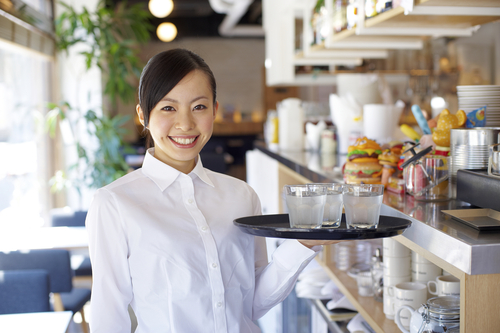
[(313, 242)]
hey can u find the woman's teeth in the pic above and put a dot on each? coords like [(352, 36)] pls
[(184, 141)]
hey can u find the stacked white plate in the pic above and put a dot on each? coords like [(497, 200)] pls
[(474, 97)]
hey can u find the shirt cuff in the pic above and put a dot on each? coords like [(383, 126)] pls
[(291, 252)]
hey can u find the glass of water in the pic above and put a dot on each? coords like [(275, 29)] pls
[(362, 204), (333, 205), (305, 205)]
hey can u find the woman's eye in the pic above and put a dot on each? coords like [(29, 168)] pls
[(168, 108), (200, 107)]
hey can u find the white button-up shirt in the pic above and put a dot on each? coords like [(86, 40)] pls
[(164, 242)]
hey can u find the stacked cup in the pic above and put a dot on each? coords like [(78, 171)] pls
[(422, 270), (396, 262)]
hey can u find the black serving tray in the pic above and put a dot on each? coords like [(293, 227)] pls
[(278, 225)]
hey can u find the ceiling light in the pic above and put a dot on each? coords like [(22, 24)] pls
[(160, 8), (166, 32)]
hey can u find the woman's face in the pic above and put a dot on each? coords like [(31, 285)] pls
[(182, 122)]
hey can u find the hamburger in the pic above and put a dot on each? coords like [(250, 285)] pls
[(362, 172), (364, 150), (362, 166), (389, 159)]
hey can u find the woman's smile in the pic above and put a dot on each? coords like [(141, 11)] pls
[(184, 142)]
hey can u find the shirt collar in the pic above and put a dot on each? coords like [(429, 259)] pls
[(164, 175)]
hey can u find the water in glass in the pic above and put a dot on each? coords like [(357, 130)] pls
[(362, 210)]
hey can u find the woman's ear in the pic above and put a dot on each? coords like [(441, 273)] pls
[(216, 108), (140, 114)]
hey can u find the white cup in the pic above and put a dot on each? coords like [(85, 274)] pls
[(365, 283), (417, 258), (380, 121), (444, 285), (413, 294), (393, 248), (424, 272), (397, 266), (390, 281)]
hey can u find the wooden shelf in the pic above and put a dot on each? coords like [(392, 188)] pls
[(428, 18), (371, 310)]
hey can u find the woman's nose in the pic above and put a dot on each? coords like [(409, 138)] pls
[(184, 120)]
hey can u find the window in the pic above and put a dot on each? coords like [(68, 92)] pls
[(25, 88)]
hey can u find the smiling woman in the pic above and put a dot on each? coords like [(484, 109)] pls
[(162, 238), (181, 122)]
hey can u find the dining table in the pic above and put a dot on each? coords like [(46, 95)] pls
[(69, 238), (40, 322)]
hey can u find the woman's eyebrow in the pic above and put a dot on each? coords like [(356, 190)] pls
[(168, 99)]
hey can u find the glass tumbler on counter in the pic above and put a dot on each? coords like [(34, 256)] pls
[(305, 204), (332, 214), (362, 204)]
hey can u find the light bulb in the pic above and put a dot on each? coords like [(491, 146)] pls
[(160, 8), (166, 32)]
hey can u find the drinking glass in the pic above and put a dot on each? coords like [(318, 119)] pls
[(305, 205), (333, 205), (362, 204)]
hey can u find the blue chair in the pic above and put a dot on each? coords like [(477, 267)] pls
[(57, 264), (23, 291), (62, 217)]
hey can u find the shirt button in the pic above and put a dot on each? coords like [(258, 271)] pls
[(214, 265), (190, 201), (219, 304), (204, 228)]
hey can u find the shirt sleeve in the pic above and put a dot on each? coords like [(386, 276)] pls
[(276, 279), (108, 249)]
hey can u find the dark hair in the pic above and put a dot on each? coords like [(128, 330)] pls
[(163, 72)]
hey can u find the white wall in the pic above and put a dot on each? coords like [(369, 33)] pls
[(237, 64)]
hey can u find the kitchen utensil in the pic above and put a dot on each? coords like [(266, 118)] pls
[(494, 160), (305, 205), (362, 203), (361, 272), (473, 97), (438, 314), (426, 176), (469, 149), (278, 225), (444, 285), (419, 116), (480, 219), (291, 124), (412, 294), (377, 273)]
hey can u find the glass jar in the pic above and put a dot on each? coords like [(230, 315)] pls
[(441, 314)]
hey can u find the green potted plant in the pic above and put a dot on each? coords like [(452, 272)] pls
[(113, 36)]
